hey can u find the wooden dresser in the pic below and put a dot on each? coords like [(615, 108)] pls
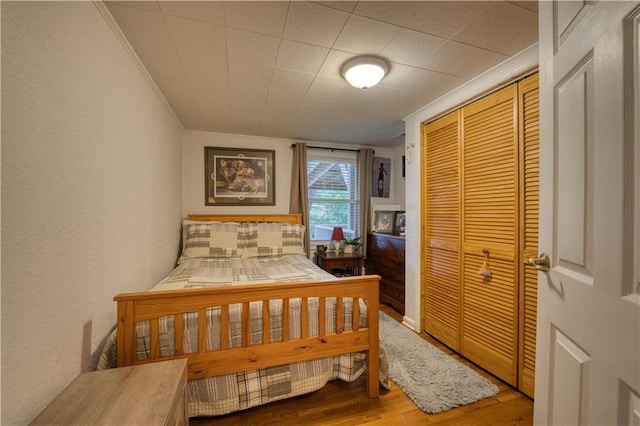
[(385, 257), (145, 394)]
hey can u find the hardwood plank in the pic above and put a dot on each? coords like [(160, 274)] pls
[(341, 403)]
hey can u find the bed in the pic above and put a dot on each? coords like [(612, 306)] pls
[(256, 319)]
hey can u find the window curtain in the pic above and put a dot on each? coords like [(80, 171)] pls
[(365, 167), (299, 199)]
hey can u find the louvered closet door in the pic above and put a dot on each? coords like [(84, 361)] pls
[(490, 222), (530, 180), (441, 216)]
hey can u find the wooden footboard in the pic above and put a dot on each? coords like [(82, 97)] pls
[(134, 308)]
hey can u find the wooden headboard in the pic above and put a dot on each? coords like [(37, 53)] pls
[(281, 218)]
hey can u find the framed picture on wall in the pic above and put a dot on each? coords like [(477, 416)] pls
[(381, 177), (239, 177), (384, 221)]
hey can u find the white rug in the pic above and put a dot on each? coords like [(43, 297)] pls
[(432, 379)]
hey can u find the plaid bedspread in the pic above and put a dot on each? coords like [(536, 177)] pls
[(233, 392)]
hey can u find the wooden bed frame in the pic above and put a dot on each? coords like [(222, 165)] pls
[(133, 308)]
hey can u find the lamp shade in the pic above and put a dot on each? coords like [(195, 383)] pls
[(364, 72), (337, 234)]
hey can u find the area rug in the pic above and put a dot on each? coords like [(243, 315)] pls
[(432, 379)]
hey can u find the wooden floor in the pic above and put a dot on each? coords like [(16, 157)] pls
[(340, 403)]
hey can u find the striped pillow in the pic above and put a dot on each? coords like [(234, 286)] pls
[(211, 239), (272, 239)]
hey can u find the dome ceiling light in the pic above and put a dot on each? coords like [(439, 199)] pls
[(364, 71)]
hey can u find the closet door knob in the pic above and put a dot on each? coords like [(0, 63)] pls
[(541, 263)]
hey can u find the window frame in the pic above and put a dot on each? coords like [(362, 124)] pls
[(352, 203)]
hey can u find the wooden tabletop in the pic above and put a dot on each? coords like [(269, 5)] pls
[(147, 394)]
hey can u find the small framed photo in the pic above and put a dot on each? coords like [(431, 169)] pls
[(399, 223), (384, 221), (239, 177)]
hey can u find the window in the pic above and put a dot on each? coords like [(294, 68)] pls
[(333, 195)]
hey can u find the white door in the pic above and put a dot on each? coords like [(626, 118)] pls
[(588, 346)]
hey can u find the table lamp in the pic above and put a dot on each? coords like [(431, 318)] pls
[(336, 236)]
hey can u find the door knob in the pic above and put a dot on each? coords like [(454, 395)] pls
[(541, 263)]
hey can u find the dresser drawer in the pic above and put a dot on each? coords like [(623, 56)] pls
[(385, 257), (395, 289)]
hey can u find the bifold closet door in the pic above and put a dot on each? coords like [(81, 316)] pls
[(490, 217), (441, 219), (529, 197)]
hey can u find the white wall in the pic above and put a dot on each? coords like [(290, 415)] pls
[(512, 67), (193, 175), (91, 193)]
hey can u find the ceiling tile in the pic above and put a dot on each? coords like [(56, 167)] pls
[(216, 110), (151, 6), (207, 11), (531, 5), (283, 97), (365, 36), (245, 46), (266, 17), (410, 47), (327, 103), (201, 47), (202, 51), (461, 60), (273, 68), (250, 95), (333, 63), (278, 116), (396, 73), (430, 82), (255, 73), (439, 18), (291, 80), (313, 23), (385, 98), (332, 87), (300, 57), (346, 6), (503, 28), (303, 119), (149, 36)]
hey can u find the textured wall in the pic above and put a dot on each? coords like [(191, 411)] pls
[(193, 175), (91, 193)]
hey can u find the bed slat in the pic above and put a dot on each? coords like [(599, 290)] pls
[(356, 314), (339, 319), (178, 334), (134, 308), (266, 323), (246, 324), (322, 316), (154, 334), (285, 321), (304, 318), (224, 327)]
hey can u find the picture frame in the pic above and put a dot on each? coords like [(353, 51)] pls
[(384, 220), (381, 177), (404, 172), (399, 222), (239, 177)]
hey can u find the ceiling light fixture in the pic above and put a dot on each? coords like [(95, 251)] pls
[(364, 71)]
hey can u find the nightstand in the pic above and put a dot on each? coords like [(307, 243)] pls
[(145, 394), (340, 264)]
